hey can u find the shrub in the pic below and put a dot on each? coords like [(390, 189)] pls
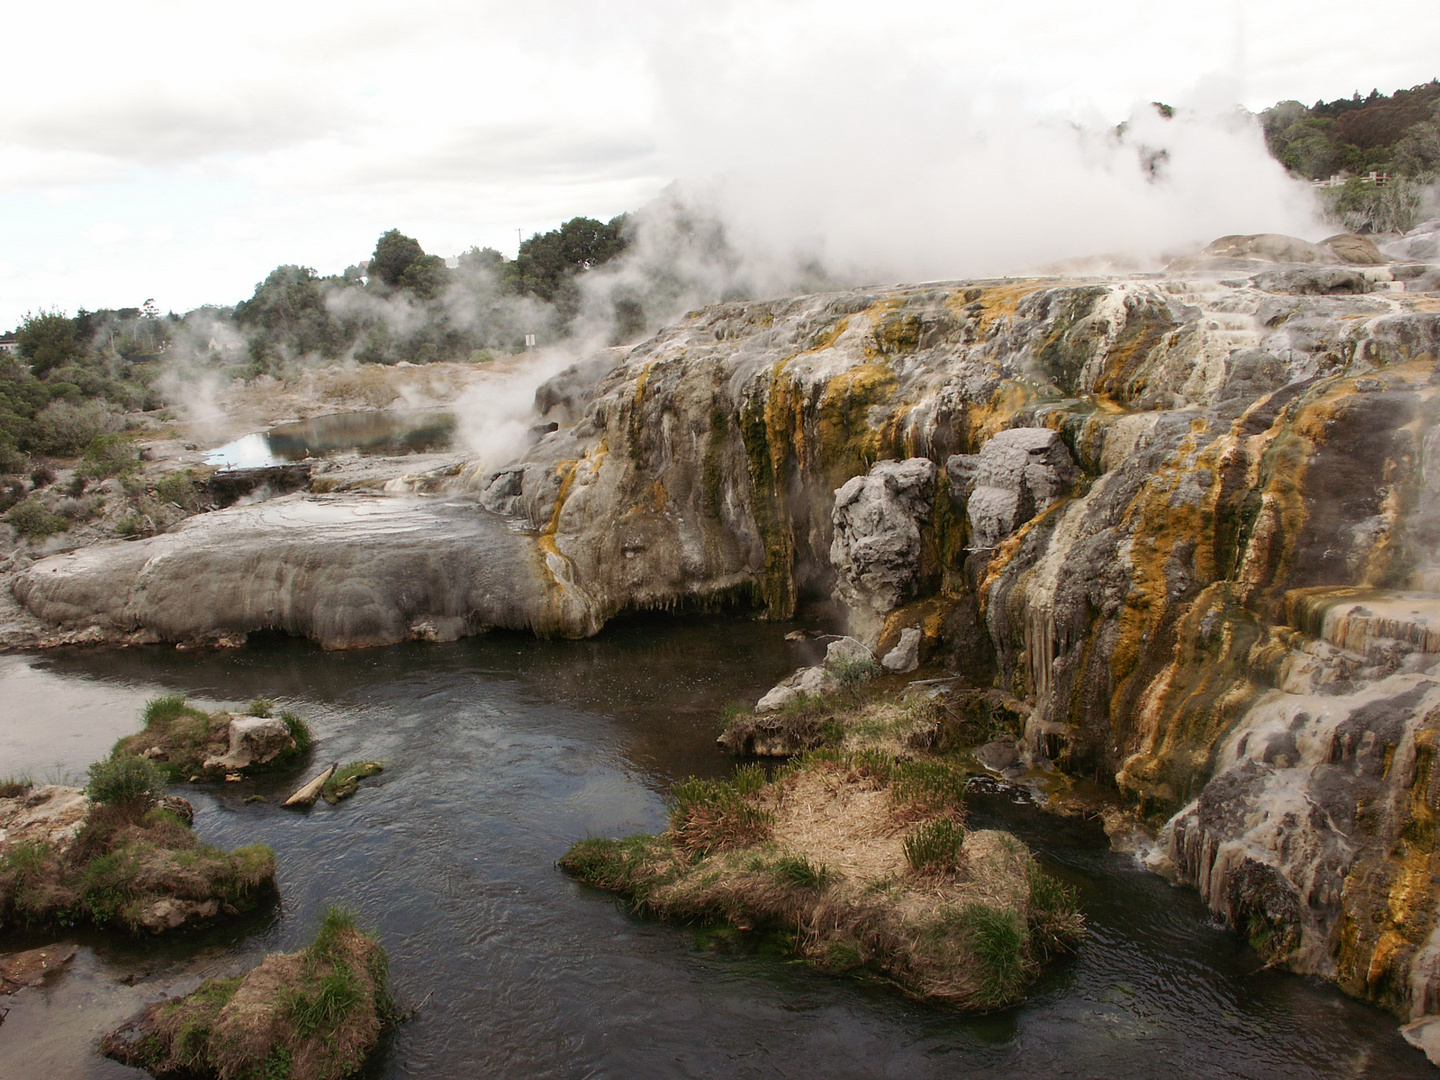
[(32, 518), (851, 673), (64, 429), (42, 475), (108, 455), (125, 779), (934, 848), (262, 707), (133, 524), (179, 488)]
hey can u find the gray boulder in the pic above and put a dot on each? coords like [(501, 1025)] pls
[(1314, 281), (1018, 474), (254, 740), (811, 682), (876, 550), (905, 656)]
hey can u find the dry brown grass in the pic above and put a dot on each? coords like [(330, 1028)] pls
[(315, 1014), (832, 870)]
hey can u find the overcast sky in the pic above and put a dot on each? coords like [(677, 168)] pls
[(180, 151)]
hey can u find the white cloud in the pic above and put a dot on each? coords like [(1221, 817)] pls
[(286, 132)]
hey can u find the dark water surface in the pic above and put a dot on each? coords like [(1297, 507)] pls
[(375, 432), (501, 751)]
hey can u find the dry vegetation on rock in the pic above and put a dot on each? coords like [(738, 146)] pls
[(864, 858), (119, 855), (316, 1014)]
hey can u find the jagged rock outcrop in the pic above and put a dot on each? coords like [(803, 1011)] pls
[(1018, 474), (1140, 486), (877, 551)]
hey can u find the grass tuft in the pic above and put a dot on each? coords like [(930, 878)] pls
[(935, 847), (800, 872)]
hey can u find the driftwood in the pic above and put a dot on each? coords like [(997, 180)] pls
[(307, 795)]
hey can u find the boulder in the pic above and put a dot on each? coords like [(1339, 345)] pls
[(50, 814), (877, 547), (1270, 247), (1355, 250), (905, 656), (1018, 474), (1314, 281), (811, 681), (254, 740), (847, 650)]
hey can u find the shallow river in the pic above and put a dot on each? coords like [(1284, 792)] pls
[(503, 750)]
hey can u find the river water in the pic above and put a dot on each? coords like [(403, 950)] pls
[(503, 750)]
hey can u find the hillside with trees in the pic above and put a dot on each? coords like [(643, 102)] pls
[(1396, 136)]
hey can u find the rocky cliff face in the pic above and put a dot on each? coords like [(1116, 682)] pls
[(1189, 519)]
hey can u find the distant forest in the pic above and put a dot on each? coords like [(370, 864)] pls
[(1394, 135)]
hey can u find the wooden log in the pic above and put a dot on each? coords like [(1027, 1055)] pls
[(307, 795)]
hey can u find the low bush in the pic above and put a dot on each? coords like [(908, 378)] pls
[(852, 673), (180, 489), (125, 779), (108, 455), (33, 519)]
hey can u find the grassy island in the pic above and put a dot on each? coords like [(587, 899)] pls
[(119, 854), (315, 1014), (863, 856)]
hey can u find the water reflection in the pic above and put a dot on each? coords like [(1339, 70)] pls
[(382, 432)]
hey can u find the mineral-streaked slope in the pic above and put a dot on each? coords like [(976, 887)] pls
[(1213, 583)]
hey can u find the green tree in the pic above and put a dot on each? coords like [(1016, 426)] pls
[(394, 252), (47, 340), (288, 314), (426, 277), (548, 261)]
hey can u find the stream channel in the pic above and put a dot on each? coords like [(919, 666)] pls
[(500, 752)]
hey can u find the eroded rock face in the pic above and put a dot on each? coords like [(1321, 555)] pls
[(877, 550), (1018, 474)]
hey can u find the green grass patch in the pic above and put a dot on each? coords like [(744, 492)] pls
[(934, 848), (999, 941), (801, 872)]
